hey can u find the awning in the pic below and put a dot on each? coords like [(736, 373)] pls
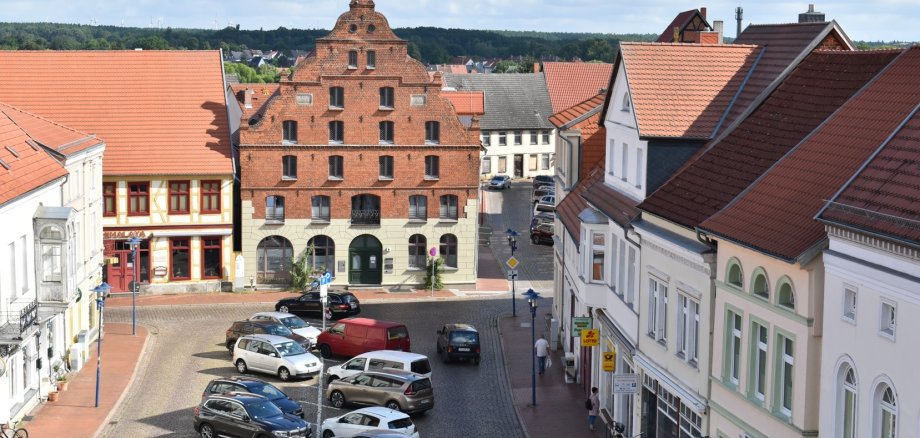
[(671, 384), (611, 327)]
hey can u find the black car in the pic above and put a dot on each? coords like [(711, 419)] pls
[(246, 415), (241, 328), (255, 386), (542, 218), (542, 233), (341, 304), (458, 341), (540, 180)]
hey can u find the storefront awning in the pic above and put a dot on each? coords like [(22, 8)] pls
[(672, 384)]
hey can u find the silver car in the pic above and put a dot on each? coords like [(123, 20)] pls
[(291, 321), (274, 355), (395, 389)]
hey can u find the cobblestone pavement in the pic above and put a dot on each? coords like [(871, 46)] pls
[(186, 351), (512, 209)]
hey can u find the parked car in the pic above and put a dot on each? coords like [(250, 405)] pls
[(458, 341), (364, 420), (542, 217), (341, 304), (397, 360), (242, 328), (542, 233), (543, 180), (500, 182), (246, 415), (274, 355), (291, 321), (380, 433), (541, 192), (353, 336), (394, 389), (543, 208), (243, 384), (548, 200)]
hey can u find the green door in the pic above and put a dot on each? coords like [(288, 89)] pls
[(365, 263)]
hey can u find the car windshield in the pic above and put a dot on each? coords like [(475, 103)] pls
[(267, 390), (277, 329), (290, 349), (263, 409), (293, 322), (464, 337)]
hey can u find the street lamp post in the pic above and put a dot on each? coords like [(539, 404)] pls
[(135, 286), (512, 242), (102, 291), (532, 297)]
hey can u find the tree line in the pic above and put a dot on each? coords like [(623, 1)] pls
[(429, 44)]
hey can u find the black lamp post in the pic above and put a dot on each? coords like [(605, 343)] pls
[(532, 297), (512, 242), (135, 286), (102, 292)]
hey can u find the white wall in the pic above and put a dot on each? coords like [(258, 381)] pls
[(528, 150), (622, 134)]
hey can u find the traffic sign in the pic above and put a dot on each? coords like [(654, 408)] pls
[(512, 274), (513, 262)]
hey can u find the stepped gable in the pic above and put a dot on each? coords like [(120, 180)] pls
[(808, 96)]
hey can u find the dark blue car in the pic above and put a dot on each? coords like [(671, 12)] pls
[(255, 386)]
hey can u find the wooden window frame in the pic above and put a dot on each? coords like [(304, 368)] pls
[(173, 247), (187, 193), (220, 259), (106, 196), (140, 194), (203, 193)]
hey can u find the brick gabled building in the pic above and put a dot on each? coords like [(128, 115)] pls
[(359, 157)]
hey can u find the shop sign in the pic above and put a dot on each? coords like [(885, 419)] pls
[(580, 323), (625, 383), (590, 338), (610, 360), (124, 234)]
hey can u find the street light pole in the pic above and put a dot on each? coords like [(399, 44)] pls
[(512, 242), (101, 292), (135, 286), (532, 297)]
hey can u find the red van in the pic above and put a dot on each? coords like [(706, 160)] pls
[(353, 336)]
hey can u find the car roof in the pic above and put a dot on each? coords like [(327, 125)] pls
[(393, 354), (368, 322), (239, 379), (382, 412), (238, 396), (271, 339), (405, 375), (278, 315), (260, 322), (462, 326)]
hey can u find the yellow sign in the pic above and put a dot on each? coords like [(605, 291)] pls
[(590, 338), (513, 262), (610, 361)]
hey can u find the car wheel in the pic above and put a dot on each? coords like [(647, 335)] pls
[(331, 378), (230, 345), (207, 431), (283, 309), (337, 399), (535, 240), (241, 366), (284, 374), (476, 361), (325, 350), (392, 405), (328, 434)]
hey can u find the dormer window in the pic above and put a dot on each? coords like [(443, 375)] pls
[(353, 59), (626, 103)]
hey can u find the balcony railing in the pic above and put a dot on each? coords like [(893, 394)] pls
[(365, 217)]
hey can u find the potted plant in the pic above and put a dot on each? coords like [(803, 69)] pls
[(62, 382), (52, 396)]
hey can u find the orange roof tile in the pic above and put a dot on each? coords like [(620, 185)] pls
[(579, 110), (467, 103), (60, 138), (23, 168), (683, 90), (261, 94), (570, 83), (159, 112)]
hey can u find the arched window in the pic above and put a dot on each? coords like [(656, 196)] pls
[(626, 103), (786, 296), (323, 257), (418, 251), (886, 413), (735, 274), (760, 286), (846, 402), (449, 250), (273, 259)]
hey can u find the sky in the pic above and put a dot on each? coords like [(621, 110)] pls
[(870, 20)]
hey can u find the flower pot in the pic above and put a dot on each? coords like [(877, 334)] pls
[(62, 385), (52, 396)]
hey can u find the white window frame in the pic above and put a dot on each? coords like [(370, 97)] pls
[(658, 310), (846, 387), (602, 248), (888, 319), (631, 271), (624, 163), (640, 168), (736, 322), (850, 300), (883, 407), (760, 360), (787, 360), (688, 325), (611, 157)]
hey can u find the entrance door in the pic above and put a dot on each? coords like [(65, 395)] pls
[(365, 264), (120, 273), (518, 166)]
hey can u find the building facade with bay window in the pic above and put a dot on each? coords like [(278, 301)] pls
[(168, 174), (358, 163)]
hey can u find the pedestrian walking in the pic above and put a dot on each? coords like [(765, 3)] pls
[(595, 406), (541, 349)]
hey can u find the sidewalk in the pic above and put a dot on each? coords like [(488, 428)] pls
[(74, 414), (560, 409), (365, 296)]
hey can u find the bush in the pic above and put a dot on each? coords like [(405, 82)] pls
[(438, 271)]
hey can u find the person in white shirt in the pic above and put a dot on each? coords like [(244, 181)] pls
[(541, 349)]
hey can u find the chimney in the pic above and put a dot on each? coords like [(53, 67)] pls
[(739, 15), (811, 16), (537, 68), (676, 37), (717, 27), (247, 98)]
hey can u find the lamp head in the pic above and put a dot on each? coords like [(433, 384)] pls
[(532, 297), (102, 290), (134, 241)]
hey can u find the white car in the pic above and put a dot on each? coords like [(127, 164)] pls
[(398, 360), (290, 321), (366, 419), (548, 200), (274, 355)]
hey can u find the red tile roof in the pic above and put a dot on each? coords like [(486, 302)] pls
[(683, 90), (776, 214), (586, 117), (261, 94), (573, 204), (615, 205), (570, 114), (822, 83), (24, 168), (159, 112), (62, 139), (783, 45), (680, 21), (569, 83), (467, 103), (884, 197)]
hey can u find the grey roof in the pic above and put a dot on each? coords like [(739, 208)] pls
[(58, 213), (513, 101)]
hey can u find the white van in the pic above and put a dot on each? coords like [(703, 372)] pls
[(400, 360)]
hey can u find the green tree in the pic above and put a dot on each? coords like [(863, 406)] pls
[(438, 272), (598, 50)]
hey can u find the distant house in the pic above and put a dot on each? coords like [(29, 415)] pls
[(257, 62)]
